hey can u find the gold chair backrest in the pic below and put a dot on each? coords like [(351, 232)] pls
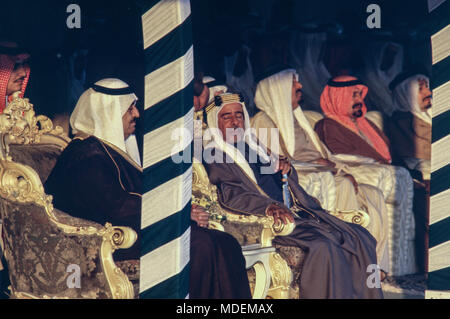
[(19, 125), (21, 184)]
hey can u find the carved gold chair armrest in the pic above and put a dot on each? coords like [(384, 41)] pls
[(358, 217), (272, 271), (20, 125), (205, 194), (268, 229), (51, 254)]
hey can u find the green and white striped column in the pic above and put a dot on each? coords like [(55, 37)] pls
[(166, 203), (439, 244)]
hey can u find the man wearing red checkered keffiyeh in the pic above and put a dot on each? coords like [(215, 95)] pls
[(14, 72), (345, 129)]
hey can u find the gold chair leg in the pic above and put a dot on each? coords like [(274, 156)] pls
[(281, 277), (262, 283), (258, 258)]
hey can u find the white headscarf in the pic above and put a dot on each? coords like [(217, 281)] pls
[(101, 114), (229, 149), (274, 97), (405, 97)]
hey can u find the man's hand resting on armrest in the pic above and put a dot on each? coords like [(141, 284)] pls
[(280, 214), (199, 215)]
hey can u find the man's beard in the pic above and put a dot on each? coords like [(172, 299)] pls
[(428, 104), (132, 127), (300, 101), (358, 113)]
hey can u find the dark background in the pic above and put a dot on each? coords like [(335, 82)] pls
[(111, 38), (219, 24)]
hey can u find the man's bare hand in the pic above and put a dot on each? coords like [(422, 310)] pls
[(353, 180), (284, 165), (280, 214), (199, 215)]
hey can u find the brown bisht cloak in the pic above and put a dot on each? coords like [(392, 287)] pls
[(93, 181), (341, 140), (337, 253)]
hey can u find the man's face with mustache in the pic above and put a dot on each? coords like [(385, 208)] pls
[(356, 109), (17, 77), (231, 122), (129, 120), (297, 92), (424, 96)]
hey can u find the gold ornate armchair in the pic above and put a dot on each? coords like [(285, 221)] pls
[(269, 273), (50, 254)]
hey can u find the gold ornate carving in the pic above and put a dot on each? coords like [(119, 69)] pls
[(359, 217), (281, 277), (216, 225), (205, 194), (114, 238), (261, 277), (20, 183), (19, 125)]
